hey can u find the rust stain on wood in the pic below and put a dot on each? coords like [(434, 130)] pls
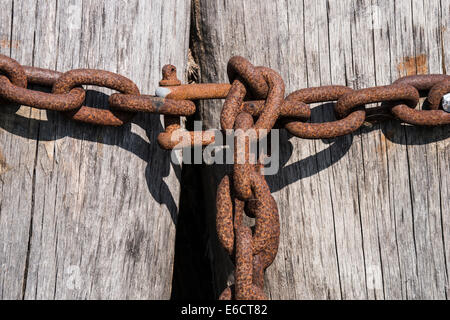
[(6, 43), (444, 67), (413, 65), (3, 165)]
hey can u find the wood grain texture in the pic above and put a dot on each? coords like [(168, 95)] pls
[(89, 212), (365, 216)]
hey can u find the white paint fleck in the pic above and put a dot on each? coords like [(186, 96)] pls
[(74, 278), (162, 92), (446, 102)]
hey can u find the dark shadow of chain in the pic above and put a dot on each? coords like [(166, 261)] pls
[(394, 131), (158, 160)]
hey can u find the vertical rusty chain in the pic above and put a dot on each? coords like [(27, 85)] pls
[(253, 251)]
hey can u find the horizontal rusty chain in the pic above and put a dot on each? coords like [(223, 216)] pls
[(68, 96), (254, 93)]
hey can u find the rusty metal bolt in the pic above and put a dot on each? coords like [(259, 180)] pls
[(169, 74), (151, 104), (194, 91)]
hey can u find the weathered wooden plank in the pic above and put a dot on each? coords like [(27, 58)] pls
[(319, 245), (18, 161), (423, 163), (387, 275), (443, 148), (345, 158), (363, 216), (89, 212)]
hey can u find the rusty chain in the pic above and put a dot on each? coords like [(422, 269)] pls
[(253, 92)]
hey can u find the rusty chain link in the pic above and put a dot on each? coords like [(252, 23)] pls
[(254, 92), (254, 251)]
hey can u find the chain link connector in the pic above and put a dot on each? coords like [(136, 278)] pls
[(13, 87), (436, 85), (13, 71), (41, 100), (74, 78), (327, 130), (263, 83), (175, 137)]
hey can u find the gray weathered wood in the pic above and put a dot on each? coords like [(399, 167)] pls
[(88, 212), (364, 216)]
